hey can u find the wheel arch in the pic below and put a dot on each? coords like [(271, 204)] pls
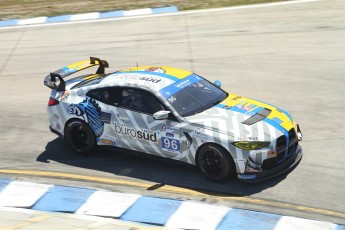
[(73, 119), (91, 145), (214, 144)]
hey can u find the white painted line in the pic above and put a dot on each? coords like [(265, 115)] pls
[(87, 16), (32, 21), (22, 194), (110, 204), (166, 14), (19, 210), (192, 215), (138, 12), (289, 222)]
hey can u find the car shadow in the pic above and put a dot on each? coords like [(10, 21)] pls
[(151, 168)]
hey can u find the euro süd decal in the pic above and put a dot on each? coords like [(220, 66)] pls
[(139, 134)]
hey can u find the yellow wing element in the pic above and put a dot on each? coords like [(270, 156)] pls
[(90, 77), (59, 74), (81, 65)]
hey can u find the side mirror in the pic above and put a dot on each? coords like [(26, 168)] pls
[(218, 83), (161, 115)]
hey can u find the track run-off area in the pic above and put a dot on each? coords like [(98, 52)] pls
[(289, 55)]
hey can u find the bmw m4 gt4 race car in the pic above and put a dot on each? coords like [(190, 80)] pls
[(175, 114)]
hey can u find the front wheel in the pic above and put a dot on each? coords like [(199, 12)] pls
[(80, 137), (215, 163)]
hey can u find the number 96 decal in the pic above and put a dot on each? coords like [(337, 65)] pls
[(170, 144)]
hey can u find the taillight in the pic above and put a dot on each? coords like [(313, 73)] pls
[(53, 101)]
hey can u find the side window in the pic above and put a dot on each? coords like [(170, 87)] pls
[(110, 96), (95, 94), (141, 101)]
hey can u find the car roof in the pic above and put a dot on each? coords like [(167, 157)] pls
[(153, 78)]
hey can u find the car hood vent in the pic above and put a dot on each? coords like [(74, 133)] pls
[(262, 114)]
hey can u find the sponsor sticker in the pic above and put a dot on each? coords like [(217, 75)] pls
[(171, 99), (65, 71), (65, 96), (107, 142), (247, 177), (156, 69), (245, 107), (179, 85), (144, 134), (247, 138), (141, 78), (200, 133), (170, 144), (169, 134), (183, 84), (80, 92), (169, 129), (185, 142)]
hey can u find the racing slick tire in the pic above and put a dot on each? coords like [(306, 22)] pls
[(80, 137), (215, 163)]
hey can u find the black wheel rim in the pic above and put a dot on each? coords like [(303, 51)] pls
[(212, 163), (79, 137)]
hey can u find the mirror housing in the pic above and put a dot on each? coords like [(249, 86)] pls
[(218, 83), (161, 115)]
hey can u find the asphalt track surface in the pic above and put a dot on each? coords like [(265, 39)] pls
[(291, 56)]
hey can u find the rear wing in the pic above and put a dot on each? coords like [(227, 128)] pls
[(59, 75)]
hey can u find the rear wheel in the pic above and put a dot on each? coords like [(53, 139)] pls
[(80, 137), (215, 163)]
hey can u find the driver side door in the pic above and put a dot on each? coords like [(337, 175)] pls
[(130, 123), (159, 137)]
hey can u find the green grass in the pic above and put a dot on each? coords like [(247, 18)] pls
[(13, 9)]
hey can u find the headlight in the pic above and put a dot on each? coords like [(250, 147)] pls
[(251, 145)]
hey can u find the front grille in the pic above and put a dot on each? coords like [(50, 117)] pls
[(269, 163), (281, 148), (284, 147), (292, 142), (284, 150)]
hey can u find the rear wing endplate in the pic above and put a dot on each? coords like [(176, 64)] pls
[(59, 75)]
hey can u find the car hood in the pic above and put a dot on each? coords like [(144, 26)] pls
[(244, 119)]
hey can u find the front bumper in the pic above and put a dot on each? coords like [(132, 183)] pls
[(290, 163)]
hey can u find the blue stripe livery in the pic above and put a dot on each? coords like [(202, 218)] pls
[(179, 85)]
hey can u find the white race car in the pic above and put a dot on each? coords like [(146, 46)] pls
[(172, 113)]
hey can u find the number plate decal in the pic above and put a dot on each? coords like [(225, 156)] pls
[(169, 144)]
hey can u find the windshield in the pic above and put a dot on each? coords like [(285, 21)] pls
[(193, 95)]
